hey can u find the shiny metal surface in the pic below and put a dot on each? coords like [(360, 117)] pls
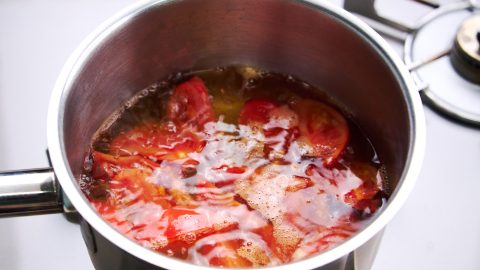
[(430, 3), (367, 9), (464, 64), (465, 57), (383, 25), (29, 192), (468, 38), (313, 40), (429, 97)]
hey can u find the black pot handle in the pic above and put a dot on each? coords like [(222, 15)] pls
[(30, 192)]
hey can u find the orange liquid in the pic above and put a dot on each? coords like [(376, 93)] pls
[(204, 188)]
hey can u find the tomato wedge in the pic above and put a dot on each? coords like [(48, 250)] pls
[(257, 111), (183, 227), (175, 226), (189, 104), (325, 239), (126, 177), (156, 141), (131, 161), (234, 251), (223, 253), (323, 128), (368, 195), (278, 123)]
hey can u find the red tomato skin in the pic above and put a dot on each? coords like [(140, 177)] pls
[(256, 111), (323, 128), (189, 104), (156, 141)]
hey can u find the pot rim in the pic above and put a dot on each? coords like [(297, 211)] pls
[(69, 184)]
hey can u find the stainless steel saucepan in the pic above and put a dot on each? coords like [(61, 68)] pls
[(312, 40)]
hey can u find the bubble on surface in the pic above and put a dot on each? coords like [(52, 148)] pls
[(235, 189)]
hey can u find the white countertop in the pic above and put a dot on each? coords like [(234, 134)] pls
[(438, 228)]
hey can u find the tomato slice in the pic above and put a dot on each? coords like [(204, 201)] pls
[(189, 104), (368, 196), (183, 227), (126, 180), (232, 261), (176, 217), (232, 169), (234, 250), (223, 253), (324, 239), (130, 161), (184, 222), (256, 111), (278, 123), (323, 128), (156, 141)]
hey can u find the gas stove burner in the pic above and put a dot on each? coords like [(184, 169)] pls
[(465, 55), (459, 76)]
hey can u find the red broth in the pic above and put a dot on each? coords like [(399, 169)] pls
[(233, 167)]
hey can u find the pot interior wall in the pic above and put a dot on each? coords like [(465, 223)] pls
[(282, 36)]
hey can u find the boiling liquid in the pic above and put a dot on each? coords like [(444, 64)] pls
[(239, 196)]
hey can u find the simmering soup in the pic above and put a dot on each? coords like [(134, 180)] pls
[(233, 167)]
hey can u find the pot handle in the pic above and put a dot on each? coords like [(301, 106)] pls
[(29, 192)]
